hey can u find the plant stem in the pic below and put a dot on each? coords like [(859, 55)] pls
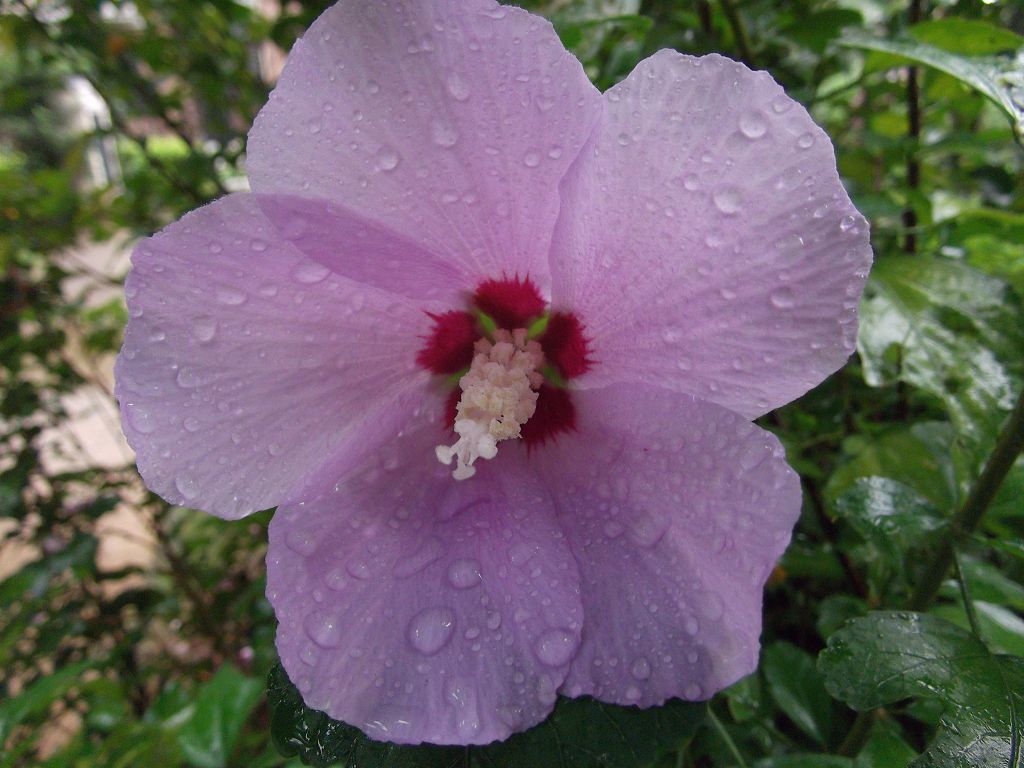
[(914, 135), (739, 32), (965, 596), (1009, 444)]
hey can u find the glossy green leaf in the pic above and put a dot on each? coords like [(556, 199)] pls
[(582, 733), (1001, 79), (222, 706), (796, 686), (889, 656), (950, 330), (889, 514)]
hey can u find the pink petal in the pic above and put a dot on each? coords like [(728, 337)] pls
[(418, 608), (706, 242), (676, 510), (244, 362), (450, 122)]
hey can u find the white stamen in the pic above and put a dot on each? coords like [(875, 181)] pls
[(498, 397)]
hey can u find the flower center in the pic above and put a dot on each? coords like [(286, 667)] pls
[(510, 383), (499, 395)]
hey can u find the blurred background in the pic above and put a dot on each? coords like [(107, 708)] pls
[(136, 634)]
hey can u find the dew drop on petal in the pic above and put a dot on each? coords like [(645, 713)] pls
[(387, 158), (191, 424), (640, 668), (204, 328), (324, 629), (783, 298), (140, 418), (753, 124), (555, 647), (430, 630), (310, 272), (457, 87), (464, 574), (806, 141), (727, 200), (186, 486)]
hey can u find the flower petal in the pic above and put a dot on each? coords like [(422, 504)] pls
[(418, 608), (449, 121), (706, 241), (244, 362), (676, 510)]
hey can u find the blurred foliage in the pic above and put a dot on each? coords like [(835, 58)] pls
[(164, 664)]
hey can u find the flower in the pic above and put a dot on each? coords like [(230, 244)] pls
[(456, 248)]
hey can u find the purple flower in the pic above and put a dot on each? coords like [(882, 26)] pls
[(458, 249)]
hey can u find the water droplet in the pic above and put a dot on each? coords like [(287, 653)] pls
[(457, 87), (464, 574), (632, 693), (727, 293), (783, 298), (753, 125), (847, 223), (430, 630), (186, 486), (314, 125), (692, 692), (204, 328), (443, 134), (231, 297), (806, 141), (691, 182), (727, 200), (781, 104), (258, 245), (157, 334), (789, 245), (493, 620), (531, 160), (140, 418), (624, 139), (191, 424), (691, 626), (310, 272), (301, 542), (640, 668), (555, 647), (387, 158), (324, 629)]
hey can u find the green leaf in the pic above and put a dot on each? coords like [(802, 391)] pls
[(885, 749), (222, 706), (888, 656), (970, 37), (1001, 79), (889, 515), (917, 457), (38, 696), (580, 733), (797, 687), (950, 330)]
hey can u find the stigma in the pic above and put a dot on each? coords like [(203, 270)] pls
[(499, 395)]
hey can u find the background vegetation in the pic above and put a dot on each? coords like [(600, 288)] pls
[(913, 498)]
